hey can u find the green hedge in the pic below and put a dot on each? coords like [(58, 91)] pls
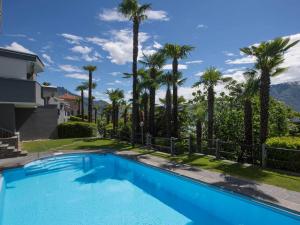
[(75, 118), (284, 142), (76, 129), (284, 159)]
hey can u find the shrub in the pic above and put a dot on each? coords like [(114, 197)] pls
[(76, 129), (284, 142), (284, 159), (75, 118)]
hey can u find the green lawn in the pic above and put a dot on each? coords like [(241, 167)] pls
[(205, 162)]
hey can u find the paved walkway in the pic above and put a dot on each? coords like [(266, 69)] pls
[(267, 193)]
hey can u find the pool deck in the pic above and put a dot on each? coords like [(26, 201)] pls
[(267, 193)]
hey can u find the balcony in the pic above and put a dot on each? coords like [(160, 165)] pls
[(21, 93)]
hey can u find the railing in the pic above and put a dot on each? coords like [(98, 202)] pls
[(6, 133)]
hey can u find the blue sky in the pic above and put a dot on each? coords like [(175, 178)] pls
[(72, 33)]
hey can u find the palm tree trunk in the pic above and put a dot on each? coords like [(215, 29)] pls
[(82, 106), (95, 115), (146, 117), (135, 81), (114, 116), (90, 107), (248, 133), (152, 112), (175, 98), (168, 112), (264, 106), (117, 117), (199, 135), (125, 116), (210, 109), (107, 118)]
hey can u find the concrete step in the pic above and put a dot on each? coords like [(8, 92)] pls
[(3, 146)]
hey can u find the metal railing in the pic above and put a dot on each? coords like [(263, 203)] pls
[(4, 133)]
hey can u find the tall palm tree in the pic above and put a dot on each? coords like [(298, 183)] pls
[(269, 56), (154, 63), (126, 107), (136, 13), (90, 69), (166, 79), (199, 114), (245, 92), (210, 79), (96, 108), (176, 52), (116, 96), (82, 87)]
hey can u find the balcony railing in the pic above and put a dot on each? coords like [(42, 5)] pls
[(19, 91)]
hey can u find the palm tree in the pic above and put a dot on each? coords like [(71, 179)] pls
[(154, 63), (176, 52), (245, 92), (96, 108), (126, 107), (136, 13), (199, 114), (210, 79), (115, 95), (268, 58), (82, 87), (166, 79), (90, 69)]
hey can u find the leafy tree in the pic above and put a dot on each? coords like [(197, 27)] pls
[(175, 52), (90, 69), (136, 13), (269, 56)]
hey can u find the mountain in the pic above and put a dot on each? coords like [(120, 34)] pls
[(102, 104), (289, 93)]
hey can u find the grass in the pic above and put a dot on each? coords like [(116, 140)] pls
[(276, 178)]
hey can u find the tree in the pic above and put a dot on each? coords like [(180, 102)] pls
[(166, 79), (96, 108), (176, 52), (136, 13), (115, 96), (154, 63), (46, 84), (90, 69), (210, 79), (82, 87), (126, 107), (269, 56)]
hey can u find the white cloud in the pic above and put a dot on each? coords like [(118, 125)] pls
[(195, 62), (17, 47), (199, 26), (69, 68), (157, 45), (20, 36), (229, 54), (114, 15), (72, 58), (119, 47), (78, 76), (115, 73), (180, 67), (86, 53), (47, 58), (199, 74), (81, 49), (72, 39), (243, 60)]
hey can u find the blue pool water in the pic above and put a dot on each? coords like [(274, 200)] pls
[(91, 189)]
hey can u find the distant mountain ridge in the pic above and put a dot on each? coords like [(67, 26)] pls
[(289, 93), (102, 104)]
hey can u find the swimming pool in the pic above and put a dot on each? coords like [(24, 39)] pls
[(92, 189)]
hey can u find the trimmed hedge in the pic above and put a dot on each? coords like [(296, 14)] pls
[(76, 129), (284, 142), (75, 118), (284, 159)]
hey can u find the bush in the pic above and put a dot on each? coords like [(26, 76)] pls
[(283, 159), (284, 142), (76, 129), (75, 118)]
